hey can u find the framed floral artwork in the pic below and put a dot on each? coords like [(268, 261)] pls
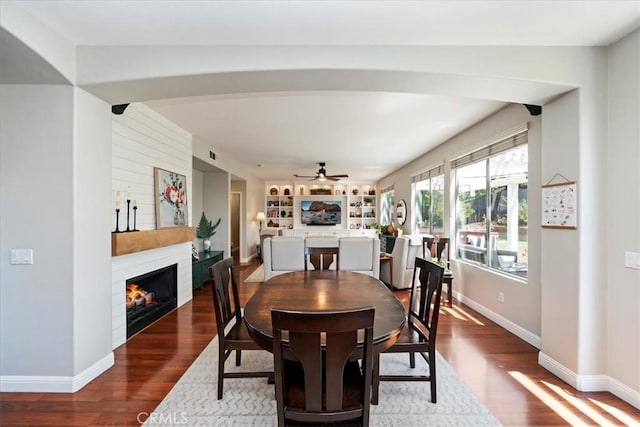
[(171, 199)]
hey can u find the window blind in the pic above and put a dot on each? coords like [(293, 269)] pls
[(387, 189), (491, 149), (437, 171)]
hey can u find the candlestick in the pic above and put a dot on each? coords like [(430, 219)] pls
[(117, 220), (128, 205), (135, 210)]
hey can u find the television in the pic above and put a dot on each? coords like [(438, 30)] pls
[(321, 212)]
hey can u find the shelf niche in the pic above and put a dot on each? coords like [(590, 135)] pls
[(137, 241)]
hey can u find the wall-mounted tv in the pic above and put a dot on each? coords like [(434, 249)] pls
[(321, 212)]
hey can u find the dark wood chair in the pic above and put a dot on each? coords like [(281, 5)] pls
[(321, 258), (227, 309), (419, 334), (318, 376), (430, 247)]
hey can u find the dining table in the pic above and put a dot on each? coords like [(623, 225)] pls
[(317, 290)]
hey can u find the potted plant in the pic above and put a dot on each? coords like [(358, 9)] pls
[(205, 230)]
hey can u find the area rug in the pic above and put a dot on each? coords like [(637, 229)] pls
[(257, 275), (251, 401)]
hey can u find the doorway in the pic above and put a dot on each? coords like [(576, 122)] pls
[(235, 224)]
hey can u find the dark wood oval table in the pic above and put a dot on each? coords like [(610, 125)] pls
[(324, 290)]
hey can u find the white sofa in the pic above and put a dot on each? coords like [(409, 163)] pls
[(361, 255), (404, 254), (282, 255)]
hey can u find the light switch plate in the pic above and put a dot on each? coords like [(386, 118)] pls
[(21, 256), (632, 260)]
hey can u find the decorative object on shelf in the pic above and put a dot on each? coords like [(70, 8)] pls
[(273, 191), (171, 198), (128, 207), (286, 191), (372, 192), (117, 212), (401, 212), (194, 253), (135, 212), (260, 217), (355, 191), (323, 191), (205, 230)]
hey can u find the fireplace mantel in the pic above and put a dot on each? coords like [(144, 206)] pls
[(136, 241)]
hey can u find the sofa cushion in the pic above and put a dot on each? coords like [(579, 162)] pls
[(287, 253), (356, 253)]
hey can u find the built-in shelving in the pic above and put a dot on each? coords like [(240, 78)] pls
[(282, 200)]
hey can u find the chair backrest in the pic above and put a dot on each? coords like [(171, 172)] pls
[(226, 303), (282, 254), (321, 252), (427, 246), (424, 302), (324, 345), (360, 254)]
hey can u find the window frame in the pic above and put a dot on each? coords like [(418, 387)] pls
[(503, 261)]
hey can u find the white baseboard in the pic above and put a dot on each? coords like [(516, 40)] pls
[(517, 330), (55, 384), (589, 383)]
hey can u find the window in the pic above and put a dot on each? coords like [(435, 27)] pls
[(429, 202), (491, 206), (387, 206)]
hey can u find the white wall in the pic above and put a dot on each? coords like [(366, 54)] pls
[(623, 198), (53, 313), (142, 140), (215, 202), (196, 204), (91, 222)]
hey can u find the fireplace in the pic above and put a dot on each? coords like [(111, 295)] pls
[(150, 296)]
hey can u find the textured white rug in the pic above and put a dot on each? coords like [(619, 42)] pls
[(251, 401), (257, 275)]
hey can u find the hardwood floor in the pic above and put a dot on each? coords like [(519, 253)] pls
[(501, 369)]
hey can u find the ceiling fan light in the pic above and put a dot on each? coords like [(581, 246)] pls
[(322, 178)]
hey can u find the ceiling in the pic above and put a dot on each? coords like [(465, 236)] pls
[(364, 134)]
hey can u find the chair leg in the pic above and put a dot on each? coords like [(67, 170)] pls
[(220, 371), (432, 375), (412, 359), (375, 383), (238, 357)]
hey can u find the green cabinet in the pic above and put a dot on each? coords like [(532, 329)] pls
[(200, 267)]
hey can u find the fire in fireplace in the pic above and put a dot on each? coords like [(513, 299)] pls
[(150, 296)]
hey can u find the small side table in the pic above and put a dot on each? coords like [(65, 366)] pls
[(386, 258)]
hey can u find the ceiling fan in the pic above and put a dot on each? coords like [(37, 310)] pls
[(321, 175)]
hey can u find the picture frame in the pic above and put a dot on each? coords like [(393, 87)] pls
[(172, 209), (560, 205)]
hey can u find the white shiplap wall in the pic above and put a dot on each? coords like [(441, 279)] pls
[(142, 140)]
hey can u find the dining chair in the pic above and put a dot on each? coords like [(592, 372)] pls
[(431, 247), (318, 376), (419, 334), (227, 311)]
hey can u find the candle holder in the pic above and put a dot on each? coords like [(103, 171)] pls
[(117, 221), (128, 206), (135, 211)]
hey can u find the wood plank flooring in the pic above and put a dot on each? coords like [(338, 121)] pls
[(500, 368)]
